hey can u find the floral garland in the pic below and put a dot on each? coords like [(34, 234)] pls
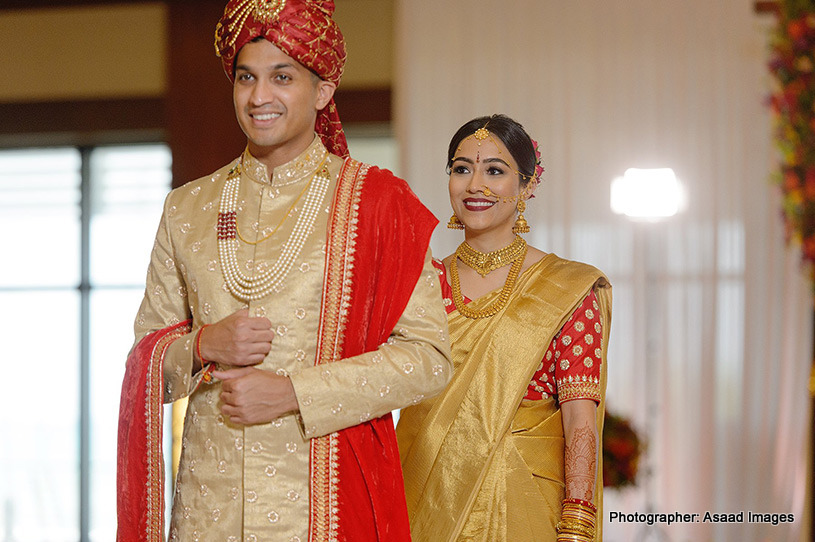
[(792, 103), (621, 452)]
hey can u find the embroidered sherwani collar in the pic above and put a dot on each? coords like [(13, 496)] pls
[(301, 167)]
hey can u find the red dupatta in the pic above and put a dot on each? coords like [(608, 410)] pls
[(140, 462), (378, 236)]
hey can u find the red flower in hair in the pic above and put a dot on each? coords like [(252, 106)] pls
[(538, 165)]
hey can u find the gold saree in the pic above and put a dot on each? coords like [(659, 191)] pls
[(480, 462)]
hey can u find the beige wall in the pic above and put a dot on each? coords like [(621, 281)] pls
[(368, 29), (83, 52), (119, 51)]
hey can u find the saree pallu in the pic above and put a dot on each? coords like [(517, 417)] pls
[(481, 463)]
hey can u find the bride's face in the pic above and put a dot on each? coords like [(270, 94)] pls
[(476, 167)]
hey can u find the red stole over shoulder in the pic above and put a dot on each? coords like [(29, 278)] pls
[(140, 463), (378, 236)]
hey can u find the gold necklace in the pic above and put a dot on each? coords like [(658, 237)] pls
[(503, 297), (285, 215), (485, 263)]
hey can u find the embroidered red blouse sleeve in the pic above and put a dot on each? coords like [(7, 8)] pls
[(570, 368)]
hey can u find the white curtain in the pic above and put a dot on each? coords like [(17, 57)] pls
[(711, 333)]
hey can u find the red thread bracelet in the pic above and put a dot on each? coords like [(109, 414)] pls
[(207, 377)]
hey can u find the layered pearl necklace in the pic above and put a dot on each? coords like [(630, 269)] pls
[(258, 287)]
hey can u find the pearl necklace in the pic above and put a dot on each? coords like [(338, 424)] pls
[(258, 287), (503, 297)]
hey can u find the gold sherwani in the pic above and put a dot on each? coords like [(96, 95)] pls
[(481, 463), (251, 483)]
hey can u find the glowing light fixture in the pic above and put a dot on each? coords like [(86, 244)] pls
[(647, 194)]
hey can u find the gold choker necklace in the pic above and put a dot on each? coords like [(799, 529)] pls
[(485, 263), (503, 297)]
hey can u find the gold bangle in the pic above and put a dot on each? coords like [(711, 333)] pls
[(578, 513), (574, 536), (567, 526), (589, 522), (571, 528), (569, 519)]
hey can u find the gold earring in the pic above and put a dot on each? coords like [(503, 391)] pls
[(455, 223), (521, 225)]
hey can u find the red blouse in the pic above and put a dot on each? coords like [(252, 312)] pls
[(570, 369)]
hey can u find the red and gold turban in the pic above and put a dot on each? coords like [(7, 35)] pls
[(304, 30)]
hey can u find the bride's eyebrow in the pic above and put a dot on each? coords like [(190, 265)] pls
[(496, 160)]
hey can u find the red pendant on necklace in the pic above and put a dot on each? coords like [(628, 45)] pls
[(227, 225)]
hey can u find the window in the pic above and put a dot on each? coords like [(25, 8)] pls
[(79, 226)]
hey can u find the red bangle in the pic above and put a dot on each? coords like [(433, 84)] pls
[(587, 504)]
